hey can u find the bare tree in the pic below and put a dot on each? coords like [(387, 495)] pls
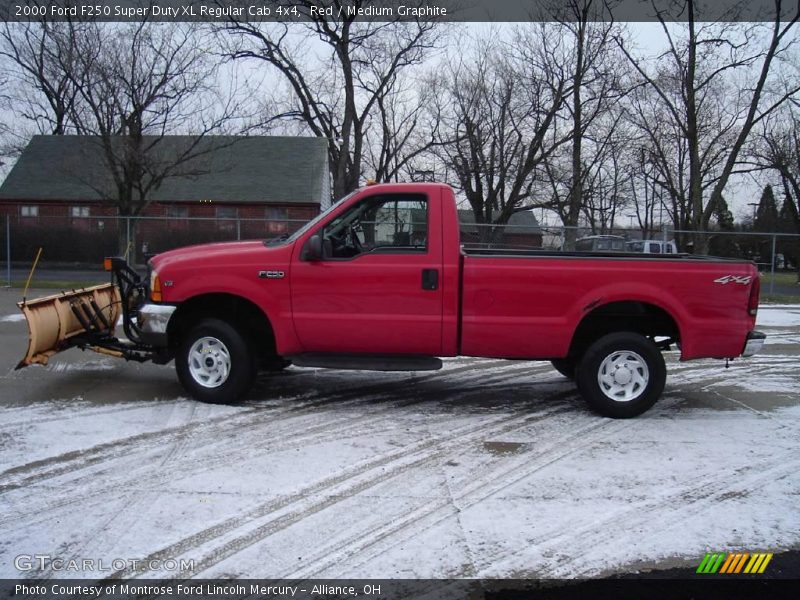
[(714, 84), (596, 86), (357, 65), (495, 104), (777, 149), (606, 180), (125, 87), (45, 57), (647, 195), (400, 133), (136, 87)]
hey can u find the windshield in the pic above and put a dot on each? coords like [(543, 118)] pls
[(311, 224)]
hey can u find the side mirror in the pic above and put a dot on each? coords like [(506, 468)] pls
[(313, 248)]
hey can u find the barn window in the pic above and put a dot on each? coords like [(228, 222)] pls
[(28, 211), (227, 212), (177, 212), (277, 219), (78, 212)]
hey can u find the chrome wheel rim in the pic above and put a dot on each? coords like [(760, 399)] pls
[(623, 376), (209, 362)]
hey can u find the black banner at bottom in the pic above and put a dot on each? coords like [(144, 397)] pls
[(394, 589)]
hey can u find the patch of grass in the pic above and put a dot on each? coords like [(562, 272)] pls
[(779, 299), (780, 277)]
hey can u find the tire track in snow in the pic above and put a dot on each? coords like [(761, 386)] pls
[(132, 501), (221, 452), (282, 512), (64, 462), (704, 491), (90, 412), (98, 453), (483, 484)]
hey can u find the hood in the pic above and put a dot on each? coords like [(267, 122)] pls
[(217, 254)]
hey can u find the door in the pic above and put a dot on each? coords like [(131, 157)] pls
[(378, 288)]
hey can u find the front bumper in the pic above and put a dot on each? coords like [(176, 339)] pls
[(153, 320), (754, 343)]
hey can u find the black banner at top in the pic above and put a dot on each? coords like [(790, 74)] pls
[(287, 11)]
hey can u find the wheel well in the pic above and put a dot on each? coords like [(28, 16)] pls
[(640, 317), (248, 318)]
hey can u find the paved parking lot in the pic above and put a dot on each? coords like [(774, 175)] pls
[(484, 469)]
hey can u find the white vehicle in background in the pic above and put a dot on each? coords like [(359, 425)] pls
[(600, 243), (652, 247)]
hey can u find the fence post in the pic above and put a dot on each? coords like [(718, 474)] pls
[(238, 229), (127, 237), (772, 267), (8, 249)]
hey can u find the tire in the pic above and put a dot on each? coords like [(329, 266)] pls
[(214, 363), (565, 366), (638, 384)]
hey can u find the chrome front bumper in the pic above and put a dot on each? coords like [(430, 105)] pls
[(153, 320), (754, 343)]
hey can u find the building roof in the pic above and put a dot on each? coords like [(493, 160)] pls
[(258, 169)]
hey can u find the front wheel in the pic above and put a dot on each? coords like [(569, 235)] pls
[(215, 363), (621, 375)]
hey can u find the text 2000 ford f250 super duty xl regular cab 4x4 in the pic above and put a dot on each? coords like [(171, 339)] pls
[(381, 281)]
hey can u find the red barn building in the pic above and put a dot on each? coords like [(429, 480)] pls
[(61, 192)]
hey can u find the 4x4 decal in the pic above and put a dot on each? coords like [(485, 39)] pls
[(742, 279)]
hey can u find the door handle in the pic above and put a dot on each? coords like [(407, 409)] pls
[(430, 279)]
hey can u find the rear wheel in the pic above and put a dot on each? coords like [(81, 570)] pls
[(565, 366), (215, 363), (621, 375)]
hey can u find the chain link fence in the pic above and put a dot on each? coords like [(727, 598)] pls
[(777, 255), (81, 243), (85, 241)]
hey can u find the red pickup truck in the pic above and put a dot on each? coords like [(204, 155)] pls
[(381, 281)]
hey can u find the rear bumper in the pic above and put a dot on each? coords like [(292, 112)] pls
[(754, 343), (153, 320)]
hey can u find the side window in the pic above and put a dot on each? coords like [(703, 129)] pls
[(387, 224), (655, 248)]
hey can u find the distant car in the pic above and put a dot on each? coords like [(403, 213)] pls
[(652, 247), (600, 243)]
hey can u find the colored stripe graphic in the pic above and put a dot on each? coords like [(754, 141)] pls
[(735, 562), (741, 562), (755, 562), (711, 562), (730, 564), (703, 563), (766, 562), (727, 564)]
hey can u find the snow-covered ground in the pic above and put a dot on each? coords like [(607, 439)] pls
[(484, 469)]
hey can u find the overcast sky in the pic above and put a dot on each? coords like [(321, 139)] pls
[(648, 37)]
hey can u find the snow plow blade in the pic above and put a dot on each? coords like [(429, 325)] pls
[(61, 321)]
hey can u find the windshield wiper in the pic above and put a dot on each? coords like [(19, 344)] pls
[(275, 241)]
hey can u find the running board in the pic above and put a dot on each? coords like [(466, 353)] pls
[(366, 362)]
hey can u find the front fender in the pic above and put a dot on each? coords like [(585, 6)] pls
[(271, 296)]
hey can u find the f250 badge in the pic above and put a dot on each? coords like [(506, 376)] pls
[(271, 274), (742, 279)]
